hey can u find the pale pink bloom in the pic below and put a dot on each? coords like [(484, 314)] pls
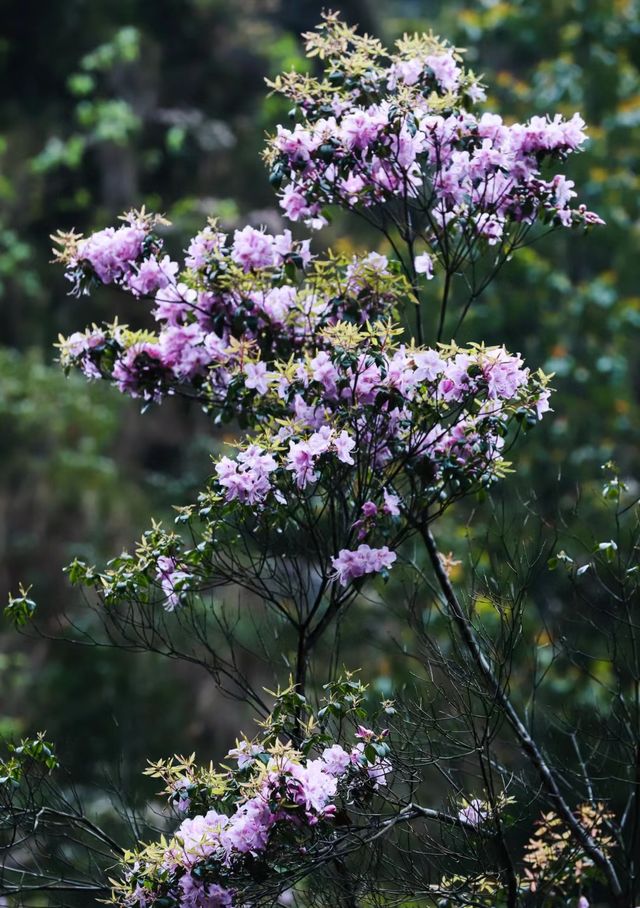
[(252, 249), (350, 565), (446, 71), (343, 445), (391, 503), (172, 579), (474, 814), (257, 377), (336, 760), (424, 265)]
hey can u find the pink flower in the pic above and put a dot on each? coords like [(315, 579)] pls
[(198, 894), (182, 350), (429, 365), (376, 771), (252, 249), (173, 303), (296, 145), (343, 445), (112, 253), (407, 71), (351, 186), (391, 503), (295, 204), (247, 831), (277, 303), (172, 580), (314, 786), (361, 127), (79, 342), (490, 227), (246, 479), (366, 381), (301, 462), (205, 244), (446, 71), (197, 838), (424, 265), (336, 760), (323, 371), (138, 370), (379, 771), (152, 275), (474, 814), (350, 565), (542, 405), (563, 190), (244, 753), (504, 374), (257, 377)]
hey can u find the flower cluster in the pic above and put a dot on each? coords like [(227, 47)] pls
[(364, 560), (379, 126), (112, 254), (266, 808), (402, 432), (388, 406), (237, 300)]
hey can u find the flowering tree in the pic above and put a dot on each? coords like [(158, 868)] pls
[(353, 438)]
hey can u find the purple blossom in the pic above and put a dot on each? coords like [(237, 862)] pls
[(349, 565), (252, 249), (336, 760), (313, 787), (257, 377), (424, 265), (203, 246), (303, 455), (112, 252), (172, 579), (285, 246), (277, 303), (152, 275), (377, 771), (244, 753), (138, 370), (248, 829), (391, 503), (246, 479), (198, 894), (197, 838), (343, 446), (445, 70), (182, 350), (324, 371), (361, 127), (295, 204), (474, 813), (483, 187), (406, 71)]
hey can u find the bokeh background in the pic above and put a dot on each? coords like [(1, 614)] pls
[(108, 104)]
